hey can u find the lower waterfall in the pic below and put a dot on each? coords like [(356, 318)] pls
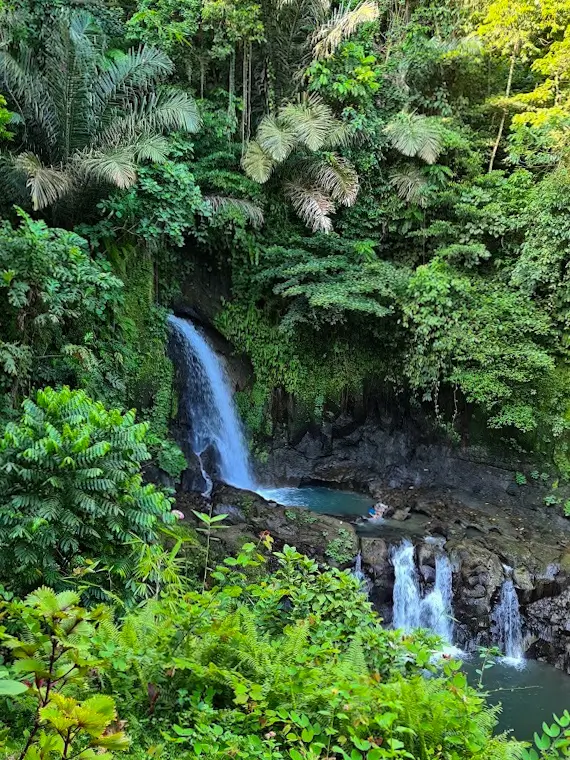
[(435, 610), (508, 621), (407, 597)]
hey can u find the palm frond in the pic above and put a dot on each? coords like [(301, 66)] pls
[(338, 177), (155, 113), (113, 167), (340, 135), (70, 66), (311, 204), (46, 184), (256, 163), (250, 210), (154, 148), (312, 119), (169, 109), (138, 69), (410, 184), (343, 23), (20, 77), (81, 26), (276, 136), (414, 135)]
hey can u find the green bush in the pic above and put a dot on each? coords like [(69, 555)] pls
[(287, 666), (53, 299), (72, 494)]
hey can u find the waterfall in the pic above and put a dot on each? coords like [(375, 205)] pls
[(407, 598), (357, 569), (507, 618), (210, 409), (435, 611)]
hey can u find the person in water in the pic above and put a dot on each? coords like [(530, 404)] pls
[(378, 511)]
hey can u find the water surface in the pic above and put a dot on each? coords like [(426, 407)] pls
[(529, 695), (328, 501)]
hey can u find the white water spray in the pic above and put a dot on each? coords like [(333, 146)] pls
[(407, 598), (508, 620), (436, 608), (357, 570), (210, 408), (435, 611)]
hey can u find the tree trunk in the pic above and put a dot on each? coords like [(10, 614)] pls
[(504, 114), (232, 93)]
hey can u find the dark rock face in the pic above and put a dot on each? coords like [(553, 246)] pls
[(382, 452)]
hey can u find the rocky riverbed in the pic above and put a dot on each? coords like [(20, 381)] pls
[(479, 537)]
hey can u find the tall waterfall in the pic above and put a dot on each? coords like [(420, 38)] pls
[(509, 624), (410, 610), (407, 598), (210, 408)]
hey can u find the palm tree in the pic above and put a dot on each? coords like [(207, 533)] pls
[(88, 115), (286, 148), (298, 31), (414, 136)]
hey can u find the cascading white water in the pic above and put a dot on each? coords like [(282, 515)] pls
[(436, 610), (210, 407), (407, 598), (507, 618)]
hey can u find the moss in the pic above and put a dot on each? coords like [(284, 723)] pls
[(300, 516)]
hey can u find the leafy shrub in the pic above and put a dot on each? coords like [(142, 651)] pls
[(287, 666), (51, 652), (71, 488), (52, 297)]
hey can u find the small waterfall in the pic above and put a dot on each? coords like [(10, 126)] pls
[(357, 569), (210, 408), (207, 492), (509, 624), (436, 610), (407, 598)]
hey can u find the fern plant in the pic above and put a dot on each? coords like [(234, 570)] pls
[(72, 495)]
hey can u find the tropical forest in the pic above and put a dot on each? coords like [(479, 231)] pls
[(284, 379)]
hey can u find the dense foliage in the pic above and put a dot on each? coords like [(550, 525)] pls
[(72, 491), (281, 667), (366, 198), (205, 138)]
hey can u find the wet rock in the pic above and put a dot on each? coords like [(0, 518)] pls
[(427, 573), (549, 621), (523, 579), (234, 515)]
